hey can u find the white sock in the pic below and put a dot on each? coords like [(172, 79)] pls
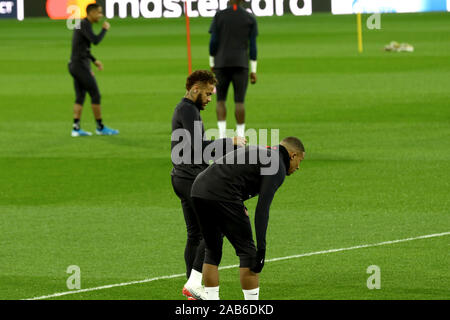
[(222, 125), (212, 293), (252, 294), (240, 129), (195, 279)]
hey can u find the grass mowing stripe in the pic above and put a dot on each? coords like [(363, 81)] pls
[(235, 266)]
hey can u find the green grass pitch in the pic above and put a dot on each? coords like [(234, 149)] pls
[(376, 127)]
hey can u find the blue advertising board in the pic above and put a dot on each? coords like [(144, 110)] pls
[(11, 9)]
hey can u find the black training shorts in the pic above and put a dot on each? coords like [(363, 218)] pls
[(238, 76), (227, 218), (84, 81)]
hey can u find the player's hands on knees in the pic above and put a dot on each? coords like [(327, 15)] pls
[(99, 65), (106, 25), (253, 78), (239, 141), (259, 264)]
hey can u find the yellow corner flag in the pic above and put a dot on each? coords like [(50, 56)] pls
[(359, 26)]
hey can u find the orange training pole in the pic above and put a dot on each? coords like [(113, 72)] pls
[(188, 37)]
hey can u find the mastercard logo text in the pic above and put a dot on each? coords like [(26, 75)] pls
[(58, 9)]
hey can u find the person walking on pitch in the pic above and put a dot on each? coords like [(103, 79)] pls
[(233, 42), (80, 69)]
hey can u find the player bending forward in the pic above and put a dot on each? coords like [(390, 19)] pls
[(219, 193)]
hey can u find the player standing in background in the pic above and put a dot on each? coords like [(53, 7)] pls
[(80, 69), (219, 193), (186, 119), (233, 32)]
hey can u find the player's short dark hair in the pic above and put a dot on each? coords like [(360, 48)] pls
[(92, 6), (203, 76), (294, 143)]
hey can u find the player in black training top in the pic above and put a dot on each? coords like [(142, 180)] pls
[(219, 193), (80, 69), (233, 40), (188, 146)]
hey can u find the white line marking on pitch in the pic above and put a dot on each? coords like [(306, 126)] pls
[(235, 266)]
